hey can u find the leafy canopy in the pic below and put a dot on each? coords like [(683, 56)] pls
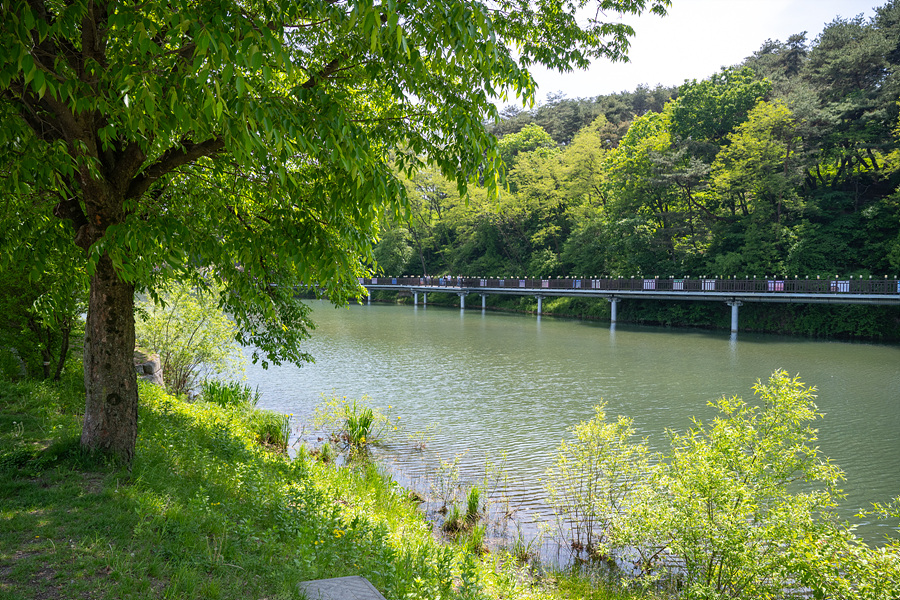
[(259, 137)]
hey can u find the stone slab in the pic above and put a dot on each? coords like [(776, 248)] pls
[(340, 588)]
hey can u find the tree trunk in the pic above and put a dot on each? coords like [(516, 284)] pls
[(111, 410), (63, 349)]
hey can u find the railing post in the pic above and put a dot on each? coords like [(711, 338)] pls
[(734, 314), (613, 302)]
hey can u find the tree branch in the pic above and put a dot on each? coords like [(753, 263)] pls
[(327, 70), (188, 152)]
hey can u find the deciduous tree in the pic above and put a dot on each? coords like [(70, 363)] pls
[(253, 137)]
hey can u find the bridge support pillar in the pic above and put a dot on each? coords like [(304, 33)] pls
[(415, 298), (540, 300), (483, 297), (734, 314), (462, 300), (613, 303), (424, 298), (369, 297)]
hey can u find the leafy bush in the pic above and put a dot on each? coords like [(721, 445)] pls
[(11, 366), (593, 480), (733, 507), (194, 338), (739, 507)]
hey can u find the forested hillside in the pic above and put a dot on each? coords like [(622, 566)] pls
[(785, 164)]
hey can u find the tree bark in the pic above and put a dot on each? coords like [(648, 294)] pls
[(66, 332), (111, 410)]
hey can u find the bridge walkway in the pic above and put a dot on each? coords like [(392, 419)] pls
[(733, 292)]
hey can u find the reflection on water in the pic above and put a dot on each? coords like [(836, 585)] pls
[(506, 388)]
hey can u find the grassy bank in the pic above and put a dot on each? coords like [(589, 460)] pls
[(213, 509)]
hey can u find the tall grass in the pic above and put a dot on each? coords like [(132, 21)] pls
[(230, 393)]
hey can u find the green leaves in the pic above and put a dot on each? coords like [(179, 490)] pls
[(595, 480), (710, 109), (733, 510)]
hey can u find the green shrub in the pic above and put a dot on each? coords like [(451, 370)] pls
[(11, 366), (738, 508), (595, 476), (194, 338)]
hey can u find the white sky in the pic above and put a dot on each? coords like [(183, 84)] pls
[(698, 37)]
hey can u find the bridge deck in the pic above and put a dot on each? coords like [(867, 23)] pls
[(833, 291)]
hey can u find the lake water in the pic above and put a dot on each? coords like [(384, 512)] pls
[(498, 384)]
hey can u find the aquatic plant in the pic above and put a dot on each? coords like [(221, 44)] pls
[(473, 504), (353, 425), (474, 541), (455, 521), (522, 549)]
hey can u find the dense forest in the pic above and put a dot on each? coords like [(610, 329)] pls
[(786, 164)]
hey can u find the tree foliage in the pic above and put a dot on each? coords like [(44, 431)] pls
[(42, 304)]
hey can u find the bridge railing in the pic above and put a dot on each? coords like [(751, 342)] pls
[(772, 285)]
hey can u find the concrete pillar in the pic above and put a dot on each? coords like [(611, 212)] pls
[(462, 301), (483, 296), (613, 302), (540, 304), (369, 301), (734, 314), (424, 298), (415, 298)]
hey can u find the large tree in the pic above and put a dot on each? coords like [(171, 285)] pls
[(253, 141)]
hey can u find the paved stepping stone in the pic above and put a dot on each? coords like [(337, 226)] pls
[(340, 588)]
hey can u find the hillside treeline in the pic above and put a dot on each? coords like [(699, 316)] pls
[(786, 164)]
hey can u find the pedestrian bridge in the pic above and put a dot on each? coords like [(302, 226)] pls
[(731, 291)]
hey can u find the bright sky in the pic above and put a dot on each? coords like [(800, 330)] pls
[(698, 37)]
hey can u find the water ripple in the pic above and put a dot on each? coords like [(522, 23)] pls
[(501, 387)]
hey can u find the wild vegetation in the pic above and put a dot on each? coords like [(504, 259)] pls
[(193, 337), (214, 507), (235, 141)]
